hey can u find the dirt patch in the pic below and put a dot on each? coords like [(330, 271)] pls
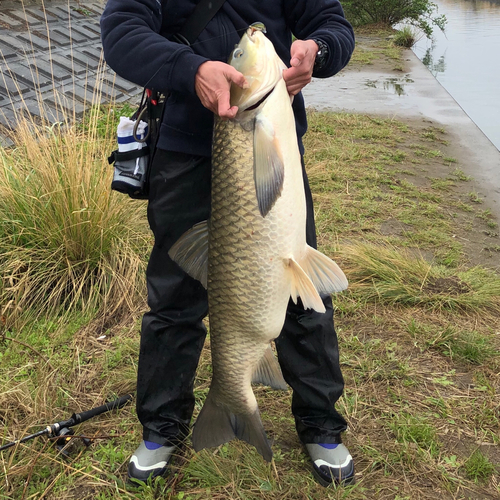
[(450, 285)]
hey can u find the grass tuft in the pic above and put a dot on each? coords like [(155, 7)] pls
[(396, 276), (66, 240), (405, 37), (478, 467)]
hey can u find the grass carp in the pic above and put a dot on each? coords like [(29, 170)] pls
[(252, 254)]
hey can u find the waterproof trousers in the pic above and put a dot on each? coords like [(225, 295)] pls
[(173, 333)]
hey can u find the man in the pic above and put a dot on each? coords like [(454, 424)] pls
[(137, 40)]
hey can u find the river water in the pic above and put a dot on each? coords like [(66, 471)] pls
[(466, 59)]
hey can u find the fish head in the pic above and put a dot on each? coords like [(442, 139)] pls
[(255, 57)]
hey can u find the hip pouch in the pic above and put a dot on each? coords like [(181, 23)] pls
[(137, 137)]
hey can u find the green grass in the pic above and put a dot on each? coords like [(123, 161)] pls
[(459, 345), (478, 467), (405, 37), (409, 428)]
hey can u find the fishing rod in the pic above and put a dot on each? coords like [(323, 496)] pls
[(63, 430)]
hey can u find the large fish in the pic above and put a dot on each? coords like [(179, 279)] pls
[(252, 254)]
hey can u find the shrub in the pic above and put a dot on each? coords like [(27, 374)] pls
[(419, 13)]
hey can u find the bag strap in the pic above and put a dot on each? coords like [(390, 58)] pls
[(203, 13), (127, 155)]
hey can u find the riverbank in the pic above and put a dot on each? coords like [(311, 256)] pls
[(383, 84), (406, 90), (418, 330)]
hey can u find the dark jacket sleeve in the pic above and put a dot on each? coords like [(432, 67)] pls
[(323, 19), (134, 48)]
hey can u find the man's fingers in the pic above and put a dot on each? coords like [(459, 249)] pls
[(236, 77), (224, 109)]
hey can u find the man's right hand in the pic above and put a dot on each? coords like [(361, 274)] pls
[(213, 83)]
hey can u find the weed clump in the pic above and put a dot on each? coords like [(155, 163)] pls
[(478, 467), (66, 241), (405, 37), (395, 276)]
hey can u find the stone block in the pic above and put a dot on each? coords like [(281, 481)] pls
[(9, 86), (32, 41), (7, 51), (107, 89), (91, 28), (24, 17), (41, 14), (83, 92), (5, 142), (40, 110), (9, 22), (25, 74), (83, 34), (60, 37), (58, 13), (66, 62), (95, 8), (66, 104), (52, 71), (72, 35), (85, 60), (7, 118)]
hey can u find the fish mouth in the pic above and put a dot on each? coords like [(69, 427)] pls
[(259, 102), (258, 26)]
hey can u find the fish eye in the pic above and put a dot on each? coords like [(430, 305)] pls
[(238, 52)]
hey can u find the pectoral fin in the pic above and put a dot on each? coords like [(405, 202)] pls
[(268, 372), (303, 287), (268, 166), (190, 252), (325, 274)]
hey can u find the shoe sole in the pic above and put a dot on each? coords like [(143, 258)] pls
[(348, 481)]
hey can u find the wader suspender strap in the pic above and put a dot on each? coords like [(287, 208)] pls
[(203, 13)]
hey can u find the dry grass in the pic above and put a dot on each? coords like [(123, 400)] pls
[(399, 277), (67, 241)]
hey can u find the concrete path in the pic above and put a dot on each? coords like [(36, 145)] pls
[(415, 94), (50, 58)]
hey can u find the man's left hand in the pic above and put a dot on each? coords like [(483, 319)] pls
[(303, 54)]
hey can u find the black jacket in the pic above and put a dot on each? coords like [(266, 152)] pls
[(135, 38)]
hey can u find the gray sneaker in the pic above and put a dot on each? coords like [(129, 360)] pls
[(150, 460), (332, 463)]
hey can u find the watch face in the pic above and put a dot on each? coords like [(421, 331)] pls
[(321, 55)]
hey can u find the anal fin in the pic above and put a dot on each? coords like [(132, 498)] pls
[(268, 372), (325, 274)]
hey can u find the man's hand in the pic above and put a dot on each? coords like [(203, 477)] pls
[(212, 84), (303, 54)]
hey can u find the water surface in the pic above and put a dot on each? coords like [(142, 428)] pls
[(466, 59)]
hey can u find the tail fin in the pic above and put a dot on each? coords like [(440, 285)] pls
[(216, 425)]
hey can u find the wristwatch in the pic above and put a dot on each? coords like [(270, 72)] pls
[(321, 55)]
